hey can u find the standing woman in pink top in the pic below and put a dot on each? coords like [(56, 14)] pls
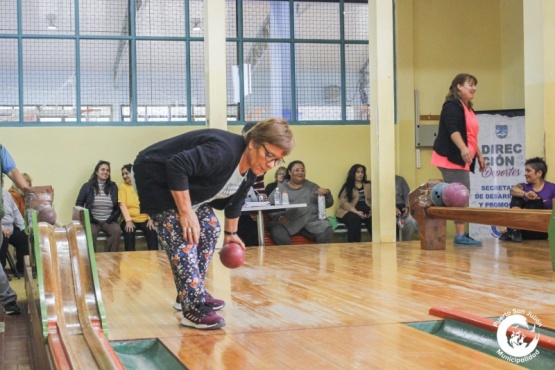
[(456, 149)]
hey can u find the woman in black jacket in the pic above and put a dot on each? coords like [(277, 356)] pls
[(180, 180), (456, 148), (100, 196)]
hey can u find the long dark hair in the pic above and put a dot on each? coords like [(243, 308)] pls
[(94, 180), (460, 79), (349, 185), (128, 167), (289, 167)]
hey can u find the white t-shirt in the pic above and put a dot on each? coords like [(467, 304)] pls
[(230, 188)]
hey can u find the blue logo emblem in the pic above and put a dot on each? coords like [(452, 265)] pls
[(501, 131)]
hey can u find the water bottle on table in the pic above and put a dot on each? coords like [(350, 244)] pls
[(277, 197)]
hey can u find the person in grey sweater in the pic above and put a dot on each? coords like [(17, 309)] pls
[(303, 221)]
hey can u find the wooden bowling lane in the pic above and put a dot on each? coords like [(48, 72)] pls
[(330, 306)]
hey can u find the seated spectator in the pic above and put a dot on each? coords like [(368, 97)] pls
[(406, 225), (17, 194), (279, 176), (535, 193), (13, 228), (247, 228), (303, 221), (355, 203), (100, 196), (133, 219)]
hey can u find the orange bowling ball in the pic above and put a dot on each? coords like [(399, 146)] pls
[(232, 255)]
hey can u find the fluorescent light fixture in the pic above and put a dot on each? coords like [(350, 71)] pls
[(51, 18), (196, 25)]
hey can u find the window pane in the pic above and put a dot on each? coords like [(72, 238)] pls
[(230, 18), (48, 78), (357, 82), (265, 19), (356, 21), (317, 20), (198, 100), (104, 77), (270, 73), (233, 81), (160, 18), (103, 17), (196, 18), (8, 76), (318, 77), (161, 79), (44, 17), (8, 16)]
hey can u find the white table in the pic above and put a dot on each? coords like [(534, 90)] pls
[(266, 206)]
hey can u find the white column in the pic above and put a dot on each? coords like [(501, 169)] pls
[(215, 64), (382, 110)]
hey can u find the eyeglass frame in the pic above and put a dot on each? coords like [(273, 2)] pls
[(272, 157)]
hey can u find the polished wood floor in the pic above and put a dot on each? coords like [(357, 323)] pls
[(335, 306)]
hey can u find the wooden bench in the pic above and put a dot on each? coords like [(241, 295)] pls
[(138, 235), (432, 220)]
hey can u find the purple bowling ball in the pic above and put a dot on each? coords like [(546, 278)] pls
[(437, 194), (456, 195), (47, 214)]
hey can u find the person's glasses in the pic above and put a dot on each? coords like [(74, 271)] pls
[(298, 170), (272, 158)]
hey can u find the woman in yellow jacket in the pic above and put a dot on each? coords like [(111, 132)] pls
[(133, 219), (355, 202)]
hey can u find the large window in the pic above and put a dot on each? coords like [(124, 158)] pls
[(141, 62)]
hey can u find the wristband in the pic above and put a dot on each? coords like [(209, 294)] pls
[(230, 232)]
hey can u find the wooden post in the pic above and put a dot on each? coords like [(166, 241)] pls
[(432, 230)]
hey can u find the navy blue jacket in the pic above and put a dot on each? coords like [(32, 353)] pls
[(201, 161)]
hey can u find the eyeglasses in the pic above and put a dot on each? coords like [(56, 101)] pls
[(272, 158), (298, 170)]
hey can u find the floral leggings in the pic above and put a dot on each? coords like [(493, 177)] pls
[(189, 262)]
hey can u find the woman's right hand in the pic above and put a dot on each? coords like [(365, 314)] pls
[(129, 226), (466, 156), (191, 226), (360, 214), (283, 220)]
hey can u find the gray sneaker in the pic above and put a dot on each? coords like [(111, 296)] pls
[(466, 241)]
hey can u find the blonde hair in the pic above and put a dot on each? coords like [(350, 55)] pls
[(273, 131)]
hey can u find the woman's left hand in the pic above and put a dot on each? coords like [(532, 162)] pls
[(150, 224), (322, 191), (482, 163), (234, 239)]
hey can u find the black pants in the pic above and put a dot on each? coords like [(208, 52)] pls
[(352, 222), (21, 244), (247, 230), (150, 236), (530, 204)]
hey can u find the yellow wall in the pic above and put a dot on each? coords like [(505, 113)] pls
[(65, 157)]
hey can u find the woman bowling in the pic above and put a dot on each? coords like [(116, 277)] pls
[(180, 180)]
